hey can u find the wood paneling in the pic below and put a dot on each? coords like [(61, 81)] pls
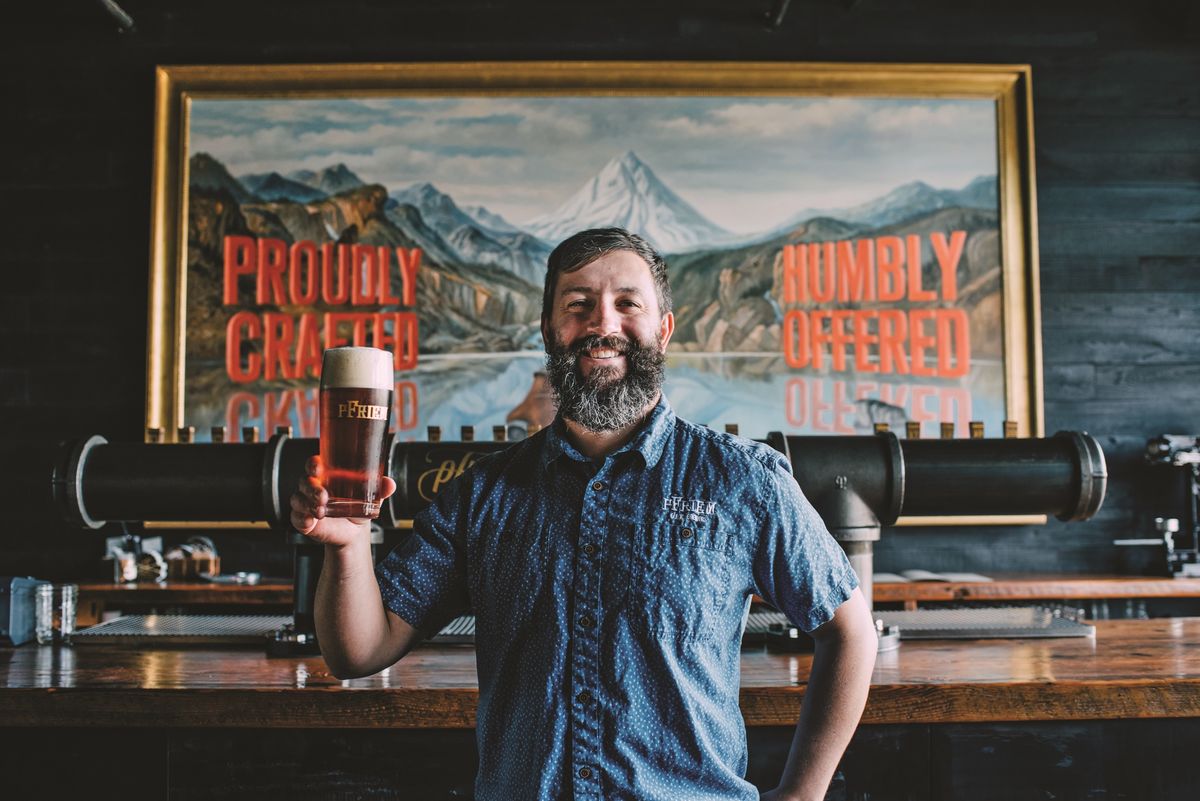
[(1136, 760)]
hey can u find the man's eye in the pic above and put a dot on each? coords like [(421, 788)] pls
[(576, 304)]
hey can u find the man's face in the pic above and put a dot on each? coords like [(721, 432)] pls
[(605, 341)]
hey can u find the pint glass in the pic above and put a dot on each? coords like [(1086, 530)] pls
[(356, 403)]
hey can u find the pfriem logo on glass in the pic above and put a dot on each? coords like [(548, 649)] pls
[(362, 411)]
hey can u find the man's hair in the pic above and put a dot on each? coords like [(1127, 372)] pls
[(583, 248)]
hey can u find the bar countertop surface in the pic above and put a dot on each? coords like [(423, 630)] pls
[(1020, 587), (1129, 669), (1001, 587)]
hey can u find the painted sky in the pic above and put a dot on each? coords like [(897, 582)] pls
[(748, 164)]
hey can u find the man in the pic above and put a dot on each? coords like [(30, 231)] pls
[(609, 561)]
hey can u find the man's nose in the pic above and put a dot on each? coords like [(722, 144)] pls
[(605, 320)]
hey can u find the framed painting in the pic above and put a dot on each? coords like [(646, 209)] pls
[(847, 244)]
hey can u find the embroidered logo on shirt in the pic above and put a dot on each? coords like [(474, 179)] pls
[(679, 508)]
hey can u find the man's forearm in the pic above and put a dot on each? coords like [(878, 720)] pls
[(351, 622), (833, 703)]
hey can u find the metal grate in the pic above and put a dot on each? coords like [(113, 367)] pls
[(761, 622), (923, 624), (183, 629), (981, 623), (460, 631)]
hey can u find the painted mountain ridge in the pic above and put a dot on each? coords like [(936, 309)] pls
[(272, 186), (206, 172), (461, 306), (490, 220), (480, 286), (472, 242), (912, 199), (627, 193), (726, 299), (330, 180)]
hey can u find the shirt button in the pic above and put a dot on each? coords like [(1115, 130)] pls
[(587, 621), (599, 485), (589, 549), (686, 533), (583, 697), (585, 773)]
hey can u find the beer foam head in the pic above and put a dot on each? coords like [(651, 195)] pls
[(367, 368)]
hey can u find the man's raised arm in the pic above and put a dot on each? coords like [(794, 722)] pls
[(358, 634)]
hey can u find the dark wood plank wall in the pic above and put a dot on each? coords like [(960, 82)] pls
[(1117, 116)]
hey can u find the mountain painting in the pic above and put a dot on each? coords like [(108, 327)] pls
[(835, 262)]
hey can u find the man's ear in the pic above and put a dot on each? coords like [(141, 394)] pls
[(665, 329)]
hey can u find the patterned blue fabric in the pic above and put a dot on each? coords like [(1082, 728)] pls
[(610, 599)]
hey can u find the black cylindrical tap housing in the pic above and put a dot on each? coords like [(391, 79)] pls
[(1063, 475), (856, 483)]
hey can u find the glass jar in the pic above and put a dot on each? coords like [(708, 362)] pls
[(54, 613)]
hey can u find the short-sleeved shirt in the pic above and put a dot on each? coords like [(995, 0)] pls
[(610, 597)]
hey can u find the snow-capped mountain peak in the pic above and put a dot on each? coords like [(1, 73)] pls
[(627, 193)]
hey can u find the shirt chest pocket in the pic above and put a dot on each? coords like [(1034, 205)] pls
[(680, 583)]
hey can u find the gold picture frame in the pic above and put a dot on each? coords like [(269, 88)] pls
[(1005, 87)]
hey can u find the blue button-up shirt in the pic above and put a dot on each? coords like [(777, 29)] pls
[(610, 598)]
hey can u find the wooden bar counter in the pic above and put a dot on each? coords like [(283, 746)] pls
[(95, 598), (188, 593), (1022, 587), (1114, 716), (1130, 669), (1004, 588)]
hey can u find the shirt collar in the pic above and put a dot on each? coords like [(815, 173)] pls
[(649, 441)]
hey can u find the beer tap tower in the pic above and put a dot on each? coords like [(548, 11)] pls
[(858, 484)]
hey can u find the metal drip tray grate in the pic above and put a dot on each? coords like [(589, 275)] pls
[(460, 631), (183, 629), (990, 622), (760, 622), (923, 624)]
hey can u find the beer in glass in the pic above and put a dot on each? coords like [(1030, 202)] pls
[(356, 403)]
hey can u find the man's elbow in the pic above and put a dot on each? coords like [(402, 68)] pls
[(345, 669), (347, 665)]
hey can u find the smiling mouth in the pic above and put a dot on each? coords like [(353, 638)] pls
[(602, 353)]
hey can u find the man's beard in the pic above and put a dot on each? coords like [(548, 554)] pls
[(604, 400)]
